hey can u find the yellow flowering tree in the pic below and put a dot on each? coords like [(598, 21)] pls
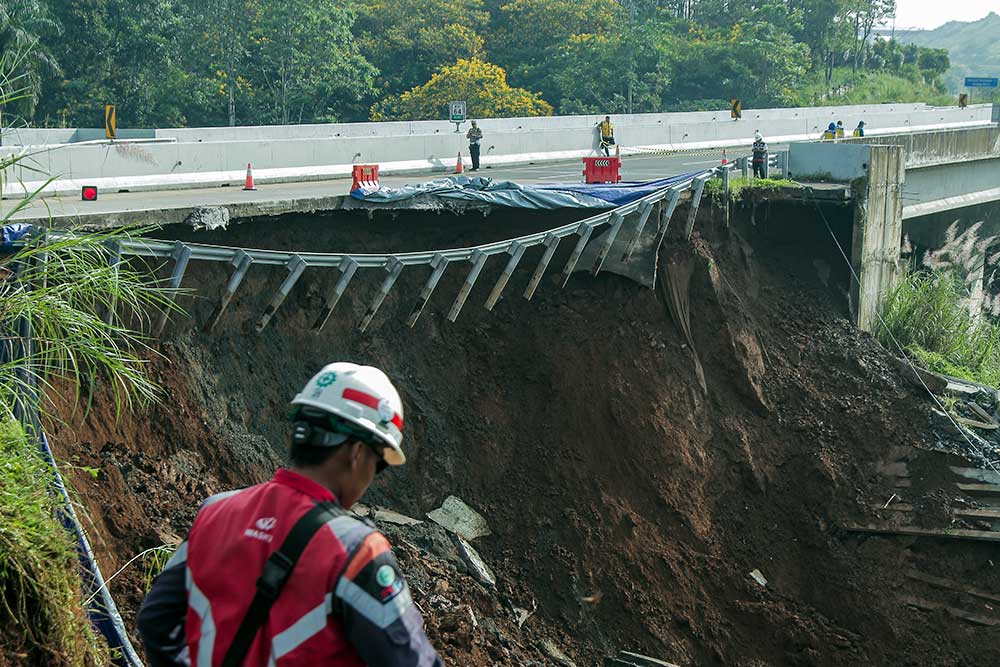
[(481, 84)]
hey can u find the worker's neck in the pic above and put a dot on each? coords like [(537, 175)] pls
[(323, 476)]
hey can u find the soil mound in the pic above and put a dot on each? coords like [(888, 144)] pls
[(633, 476)]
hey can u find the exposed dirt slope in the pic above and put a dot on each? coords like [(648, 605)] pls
[(627, 502)]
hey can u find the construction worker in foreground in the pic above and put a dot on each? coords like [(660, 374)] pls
[(831, 132), (607, 132), (280, 574)]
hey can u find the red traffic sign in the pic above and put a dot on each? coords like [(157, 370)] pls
[(89, 193)]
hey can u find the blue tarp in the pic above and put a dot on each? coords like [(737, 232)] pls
[(11, 233), (482, 189)]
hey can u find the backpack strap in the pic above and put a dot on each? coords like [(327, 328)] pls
[(277, 569)]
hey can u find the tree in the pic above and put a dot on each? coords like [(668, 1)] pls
[(864, 15), (933, 63), (27, 28), (409, 41), (307, 62), (483, 85), (530, 34)]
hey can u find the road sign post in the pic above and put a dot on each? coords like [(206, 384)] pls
[(110, 121), (979, 82), (456, 113), (736, 109)]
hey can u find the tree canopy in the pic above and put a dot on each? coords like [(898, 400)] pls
[(218, 62)]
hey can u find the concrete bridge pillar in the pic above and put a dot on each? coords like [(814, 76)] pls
[(878, 228)]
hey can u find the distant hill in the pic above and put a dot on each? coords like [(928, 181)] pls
[(974, 47)]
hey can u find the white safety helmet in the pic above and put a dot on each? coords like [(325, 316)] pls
[(363, 396)]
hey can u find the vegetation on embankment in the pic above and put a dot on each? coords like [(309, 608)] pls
[(739, 186), (42, 611), (928, 314)]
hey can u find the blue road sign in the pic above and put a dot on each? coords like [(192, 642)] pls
[(980, 82)]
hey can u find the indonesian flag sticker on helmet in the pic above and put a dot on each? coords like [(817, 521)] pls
[(364, 396)]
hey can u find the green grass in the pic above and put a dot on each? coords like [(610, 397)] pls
[(862, 87), (42, 610), (739, 185), (927, 313)]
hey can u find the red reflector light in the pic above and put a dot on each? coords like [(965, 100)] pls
[(89, 193)]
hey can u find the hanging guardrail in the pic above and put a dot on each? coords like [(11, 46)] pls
[(393, 264)]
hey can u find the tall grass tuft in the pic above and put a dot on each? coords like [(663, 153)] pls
[(929, 316), (41, 609)]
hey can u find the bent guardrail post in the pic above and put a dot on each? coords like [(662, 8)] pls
[(347, 267), (744, 164), (644, 211), (551, 242), (242, 262), (668, 213), (439, 263), (393, 267), (583, 231), (181, 254), (478, 260), (616, 224), (296, 265), (516, 251), (699, 188)]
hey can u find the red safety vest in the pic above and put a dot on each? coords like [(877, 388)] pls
[(231, 538)]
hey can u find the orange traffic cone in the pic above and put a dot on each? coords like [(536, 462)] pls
[(724, 160), (458, 165), (249, 182)]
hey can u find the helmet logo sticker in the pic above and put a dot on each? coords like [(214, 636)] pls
[(325, 380)]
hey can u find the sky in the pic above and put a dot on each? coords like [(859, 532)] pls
[(929, 14)]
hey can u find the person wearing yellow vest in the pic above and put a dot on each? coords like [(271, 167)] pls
[(830, 133), (840, 129), (607, 131), (859, 131)]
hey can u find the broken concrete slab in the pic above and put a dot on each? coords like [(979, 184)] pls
[(758, 577), (552, 651), (477, 566), (209, 217), (919, 377), (454, 515), (396, 518)]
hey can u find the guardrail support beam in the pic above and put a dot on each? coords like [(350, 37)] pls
[(616, 225), (645, 209), (583, 231), (347, 267), (516, 251), (551, 242), (242, 262), (296, 265), (438, 264), (699, 188), (181, 255), (393, 268), (478, 260)]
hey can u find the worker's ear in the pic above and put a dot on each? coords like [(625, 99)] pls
[(355, 454)]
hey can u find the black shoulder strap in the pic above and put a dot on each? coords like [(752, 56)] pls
[(277, 570)]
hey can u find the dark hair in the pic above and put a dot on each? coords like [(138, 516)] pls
[(306, 456)]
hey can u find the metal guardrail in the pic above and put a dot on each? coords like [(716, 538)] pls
[(347, 264)]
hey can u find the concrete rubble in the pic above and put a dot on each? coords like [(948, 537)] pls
[(454, 515)]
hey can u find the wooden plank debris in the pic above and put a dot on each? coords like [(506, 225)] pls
[(951, 585), (943, 533), (928, 605)]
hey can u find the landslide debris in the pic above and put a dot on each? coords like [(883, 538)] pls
[(629, 495)]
